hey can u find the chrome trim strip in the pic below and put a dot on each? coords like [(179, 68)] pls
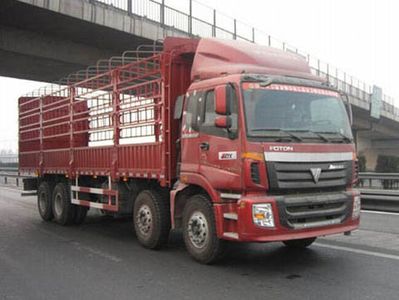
[(231, 235), (308, 156), (230, 196), (317, 224), (230, 216)]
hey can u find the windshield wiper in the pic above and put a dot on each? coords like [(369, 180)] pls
[(343, 136), (289, 133), (324, 138)]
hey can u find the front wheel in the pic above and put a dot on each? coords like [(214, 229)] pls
[(300, 243), (199, 230)]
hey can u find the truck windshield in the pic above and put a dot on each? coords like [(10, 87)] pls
[(282, 112)]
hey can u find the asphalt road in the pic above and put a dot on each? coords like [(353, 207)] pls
[(102, 260)]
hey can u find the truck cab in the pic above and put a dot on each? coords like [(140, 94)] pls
[(268, 145)]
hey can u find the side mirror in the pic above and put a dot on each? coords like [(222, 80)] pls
[(223, 94), (223, 122), (178, 108)]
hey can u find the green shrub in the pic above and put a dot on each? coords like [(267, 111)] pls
[(387, 164), (362, 163)]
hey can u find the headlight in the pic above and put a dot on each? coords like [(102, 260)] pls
[(262, 215), (356, 207)]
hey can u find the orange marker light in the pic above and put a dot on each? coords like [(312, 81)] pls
[(253, 155), (259, 216)]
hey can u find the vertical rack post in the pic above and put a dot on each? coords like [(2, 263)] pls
[(214, 24), (162, 13), (235, 30), (115, 120), (41, 133), (190, 17), (129, 7), (71, 134)]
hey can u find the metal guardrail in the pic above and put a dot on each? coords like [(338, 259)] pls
[(379, 191), (12, 173), (386, 181), (202, 20), (9, 158), (378, 176), (383, 200), (7, 173)]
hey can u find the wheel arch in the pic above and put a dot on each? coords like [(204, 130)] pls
[(183, 191)]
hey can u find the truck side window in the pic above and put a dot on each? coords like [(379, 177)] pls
[(192, 111), (209, 115)]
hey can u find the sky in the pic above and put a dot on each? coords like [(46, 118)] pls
[(360, 37)]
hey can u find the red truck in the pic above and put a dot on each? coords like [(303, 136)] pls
[(226, 140)]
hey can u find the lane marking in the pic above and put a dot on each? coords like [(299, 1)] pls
[(97, 252), (380, 212), (359, 251)]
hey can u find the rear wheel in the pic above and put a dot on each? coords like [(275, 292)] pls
[(199, 230), (44, 202), (300, 243), (63, 210), (151, 218)]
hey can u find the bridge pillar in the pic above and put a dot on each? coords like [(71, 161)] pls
[(364, 148)]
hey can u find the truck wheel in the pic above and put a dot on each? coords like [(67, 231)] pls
[(300, 243), (63, 210), (151, 218), (199, 230), (44, 201), (80, 214)]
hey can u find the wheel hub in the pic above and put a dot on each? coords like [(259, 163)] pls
[(42, 202), (198, 229), (144, 220), (58, 204)]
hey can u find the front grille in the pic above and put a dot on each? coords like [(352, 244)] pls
[(314, 210), (298, 175)]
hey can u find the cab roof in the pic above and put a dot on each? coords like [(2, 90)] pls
[(218, 57)]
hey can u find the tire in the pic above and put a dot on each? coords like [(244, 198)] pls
[(151, 218), (80, 214), (199, 230), (300, 243), (63, 210), (44, 201)]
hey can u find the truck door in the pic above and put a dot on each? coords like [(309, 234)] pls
[(190, 134), (219, 148)]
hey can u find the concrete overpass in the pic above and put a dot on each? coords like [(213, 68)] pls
[(48, 39)]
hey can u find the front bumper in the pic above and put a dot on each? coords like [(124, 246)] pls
[(329, 213)]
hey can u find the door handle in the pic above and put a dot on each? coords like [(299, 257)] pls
[(204, 146)]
